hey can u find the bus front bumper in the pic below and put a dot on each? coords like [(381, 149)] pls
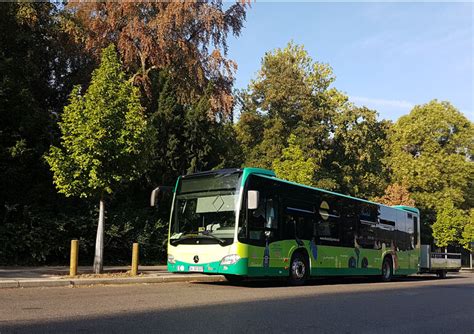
[(238, 268)]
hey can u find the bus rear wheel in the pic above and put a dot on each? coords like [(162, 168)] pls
[(387, 269), (299, 270)]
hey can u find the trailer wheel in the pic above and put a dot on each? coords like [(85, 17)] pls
[(441, 274)]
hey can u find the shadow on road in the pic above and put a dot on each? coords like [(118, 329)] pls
[(281, 282), (415, 310)]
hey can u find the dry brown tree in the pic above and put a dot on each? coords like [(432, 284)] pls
[(188, 39)]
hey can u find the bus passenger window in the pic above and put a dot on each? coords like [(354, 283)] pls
[(328, 230), (257, 216), (289, 227), (415, 229), (366, 237), (271, 219)]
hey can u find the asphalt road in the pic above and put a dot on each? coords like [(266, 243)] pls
[(410, 305)]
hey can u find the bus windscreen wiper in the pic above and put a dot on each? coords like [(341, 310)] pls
[(195, 236), (208, 234)]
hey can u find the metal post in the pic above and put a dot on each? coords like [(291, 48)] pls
[(134, 270), (74, 257), (99, 242), (470, 260)]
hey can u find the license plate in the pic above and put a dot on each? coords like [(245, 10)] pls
[(196, 268)]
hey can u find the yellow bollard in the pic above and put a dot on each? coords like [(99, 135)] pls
[(74, 257), (134, 270)]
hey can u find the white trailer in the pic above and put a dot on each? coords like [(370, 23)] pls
[(438, 263)]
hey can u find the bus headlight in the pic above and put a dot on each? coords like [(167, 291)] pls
[(171, 259), (230, 259)]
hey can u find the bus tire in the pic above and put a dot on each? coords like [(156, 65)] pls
[(441, 274), (234, 278), (299, 269), (387, 269)]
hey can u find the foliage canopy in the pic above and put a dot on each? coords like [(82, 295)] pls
[(431, 152), (342, 146), (187, 39), (292, 119), (103, 134)]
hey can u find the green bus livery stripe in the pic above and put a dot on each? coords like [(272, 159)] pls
[(329, 261)]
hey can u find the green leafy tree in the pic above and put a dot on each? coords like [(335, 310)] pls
[(357, 149), (39, 64), (468, 232), (291, 94), (103, 140), (449, 225), (293, 165), (249, 130), (431, 152), (186, 139)]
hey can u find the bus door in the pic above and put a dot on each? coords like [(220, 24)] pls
[(265, 254)]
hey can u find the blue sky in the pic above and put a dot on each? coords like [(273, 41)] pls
[(387, 56)]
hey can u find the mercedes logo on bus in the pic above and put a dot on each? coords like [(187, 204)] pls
[(196, 259)]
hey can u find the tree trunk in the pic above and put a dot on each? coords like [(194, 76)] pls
[(99, 241)]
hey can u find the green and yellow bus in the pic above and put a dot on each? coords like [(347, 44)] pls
[(248, 223)]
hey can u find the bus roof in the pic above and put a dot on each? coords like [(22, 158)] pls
[(247, 171), (271, 175)]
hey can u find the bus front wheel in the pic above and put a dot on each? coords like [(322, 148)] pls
[(299, 270), (387, 269)]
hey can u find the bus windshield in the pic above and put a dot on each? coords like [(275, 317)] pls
[(205, 209)]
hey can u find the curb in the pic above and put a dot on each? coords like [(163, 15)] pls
[(106, 281)]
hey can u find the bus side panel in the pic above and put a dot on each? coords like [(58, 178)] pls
[(324, 260), (271, 261), (332, 260), (344, 261)]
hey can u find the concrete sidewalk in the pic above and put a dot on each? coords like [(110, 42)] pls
[(22, 277)]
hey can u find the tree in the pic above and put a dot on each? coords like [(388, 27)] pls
[(396, 194), (357, 149), (39, 64), (431, 152), (449, 225), (249, 130), (291, 94), (36, 69), (468, 232), (293, 165), (187, 39), (187, 139), (103, 139)]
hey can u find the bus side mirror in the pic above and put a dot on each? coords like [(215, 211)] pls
[(157, 194), (252, 199), (154, 197)]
